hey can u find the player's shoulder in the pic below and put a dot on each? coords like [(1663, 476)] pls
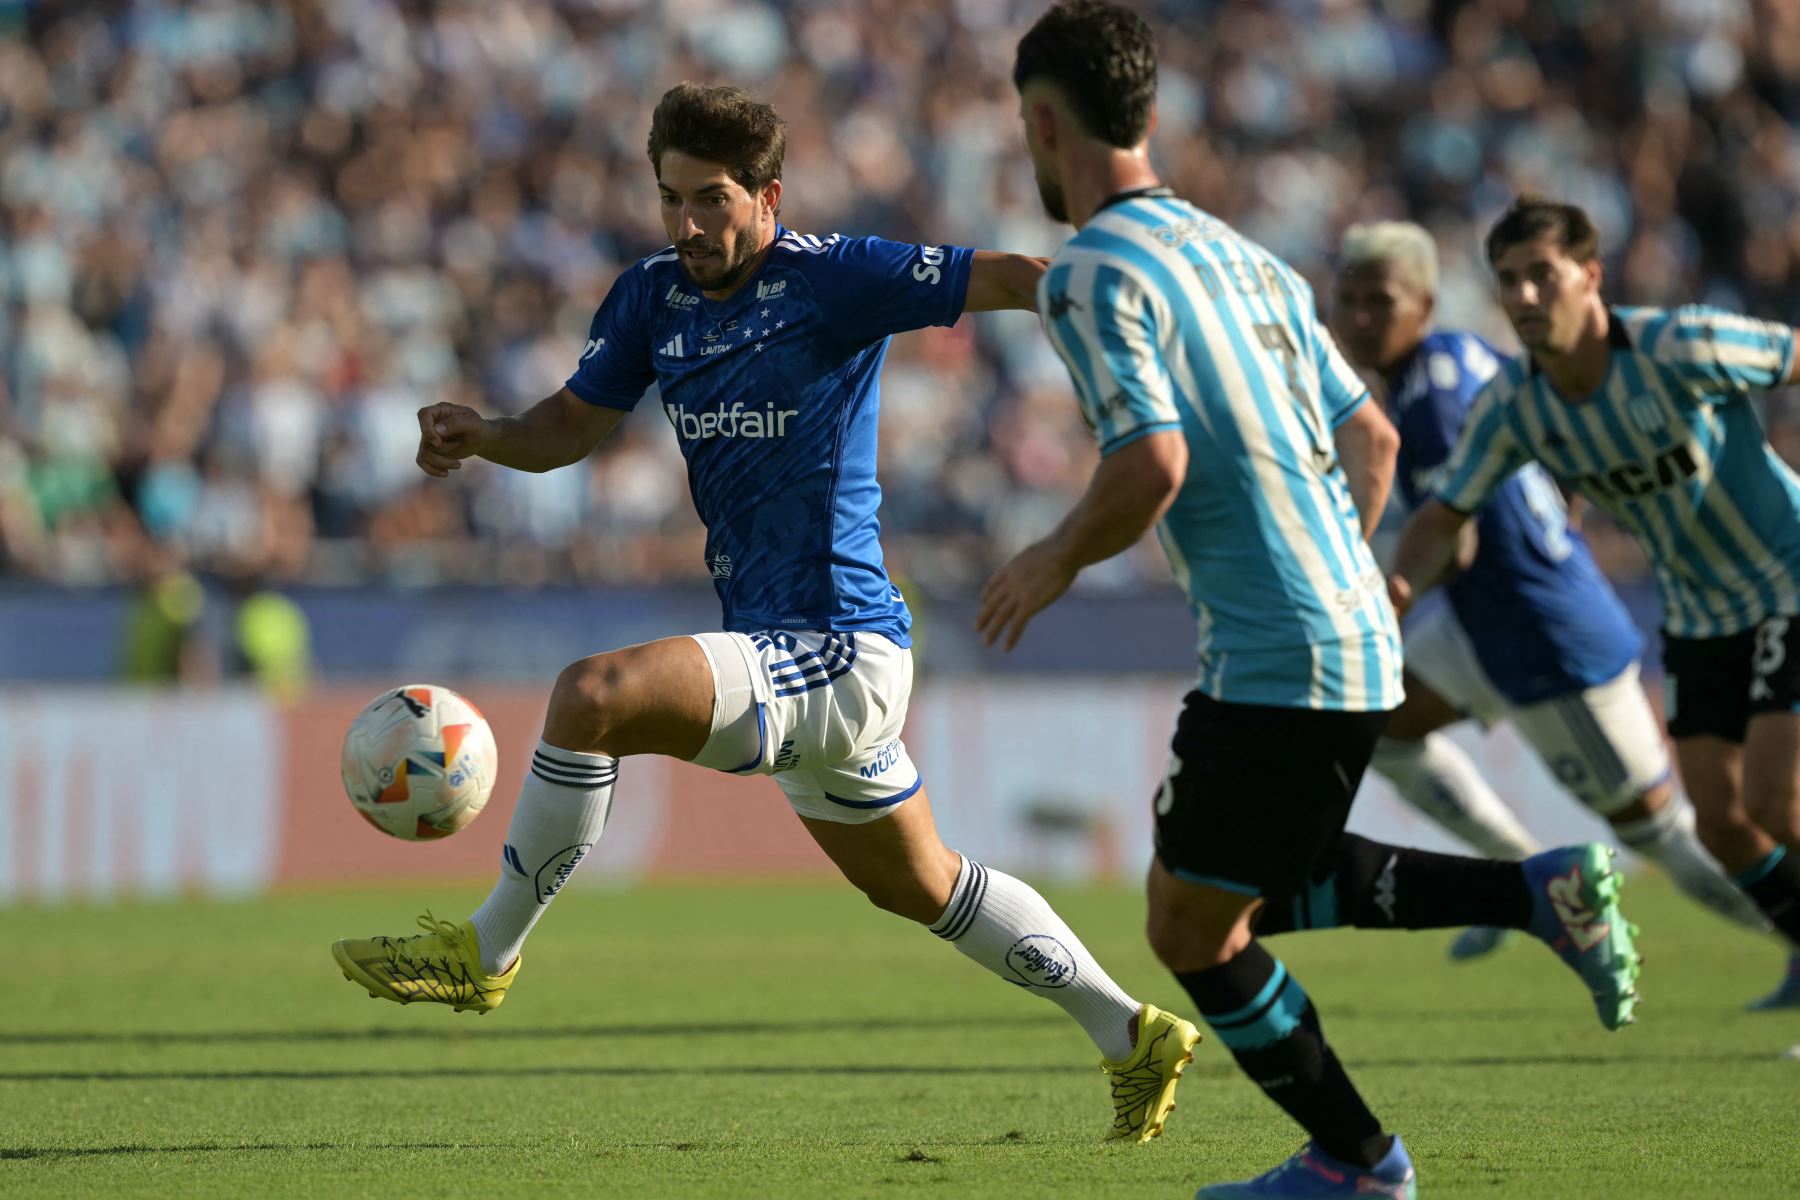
[(1511, 379), (796, 249), (1459, 359), (1690, 331), (845, 257), (1449, 367)]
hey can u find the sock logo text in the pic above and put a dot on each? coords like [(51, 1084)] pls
[(1039, 960)]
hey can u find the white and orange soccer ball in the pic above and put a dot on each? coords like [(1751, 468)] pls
[(419, 762)]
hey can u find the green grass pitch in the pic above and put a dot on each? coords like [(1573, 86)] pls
[(791, 1041)]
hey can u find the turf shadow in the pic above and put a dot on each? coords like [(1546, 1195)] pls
[(826, 1069), (16, 1153), (150, 1037)]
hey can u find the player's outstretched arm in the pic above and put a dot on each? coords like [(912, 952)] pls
[(1129, 493), (998, 281), (1367, 444), (1428, 552), (552, 433)]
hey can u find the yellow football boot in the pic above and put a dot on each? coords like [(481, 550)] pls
[(441, 966), (1143, 1086)]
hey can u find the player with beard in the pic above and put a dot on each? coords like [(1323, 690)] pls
[(1529, 630), (765, 345), (1646, 413)]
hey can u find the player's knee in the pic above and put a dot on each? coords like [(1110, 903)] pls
[(583, 704), (1775, 810), (1188, 940)]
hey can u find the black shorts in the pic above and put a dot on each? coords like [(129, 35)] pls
[(1257, 796), (1715, 685)]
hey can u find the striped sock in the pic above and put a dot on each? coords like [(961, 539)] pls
[(1265, 1019), (562, 809), (1004, 925)]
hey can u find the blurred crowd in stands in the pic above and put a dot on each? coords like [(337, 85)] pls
[(241, 243)]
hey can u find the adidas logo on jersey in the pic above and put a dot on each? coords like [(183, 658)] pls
[(734, 422), (671, 348)]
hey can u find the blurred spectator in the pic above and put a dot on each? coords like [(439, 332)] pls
[(241, 243)]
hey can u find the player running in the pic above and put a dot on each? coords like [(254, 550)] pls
[(765, 345), (1530, 632), (1227, 419), (1646, 413)]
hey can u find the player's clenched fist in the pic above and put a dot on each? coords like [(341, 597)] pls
[(449, 433)]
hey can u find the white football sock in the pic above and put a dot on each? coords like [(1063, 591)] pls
[(562, 809), (1438, 778), (1666, 837), (1008, 928)]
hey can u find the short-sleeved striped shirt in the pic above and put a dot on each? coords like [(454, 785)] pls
[(1169, 320), (1670, 447)]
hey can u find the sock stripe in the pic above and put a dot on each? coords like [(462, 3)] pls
[(974, 888), (959, 899), (574, 759), (581, 783), (589, 777), (966, 903), (1250, 1011), (575, 768), (1761, 870), (1274, 1022)]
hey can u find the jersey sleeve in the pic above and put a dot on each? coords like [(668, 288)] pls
[(1341, 389), (615, 367), (1720, 351), (869, 288), (1487, 452), (1107, 335)]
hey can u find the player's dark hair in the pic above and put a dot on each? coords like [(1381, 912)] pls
[(1102, 58), (1532, 216), (722, 125)]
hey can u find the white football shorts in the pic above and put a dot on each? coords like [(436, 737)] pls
[(1603, 743), (821, 712)]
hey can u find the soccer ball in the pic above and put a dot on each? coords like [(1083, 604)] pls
[(419, 762)]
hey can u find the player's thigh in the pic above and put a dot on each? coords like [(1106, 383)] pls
[(1256, 796), (1439, 655), (1706, 687), (654, 698), (1603, 743)]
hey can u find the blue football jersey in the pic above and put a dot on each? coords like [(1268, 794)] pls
[(1542, 618), (773, 397)]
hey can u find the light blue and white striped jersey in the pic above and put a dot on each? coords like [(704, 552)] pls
[(1670, 447), (1169, 320)]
